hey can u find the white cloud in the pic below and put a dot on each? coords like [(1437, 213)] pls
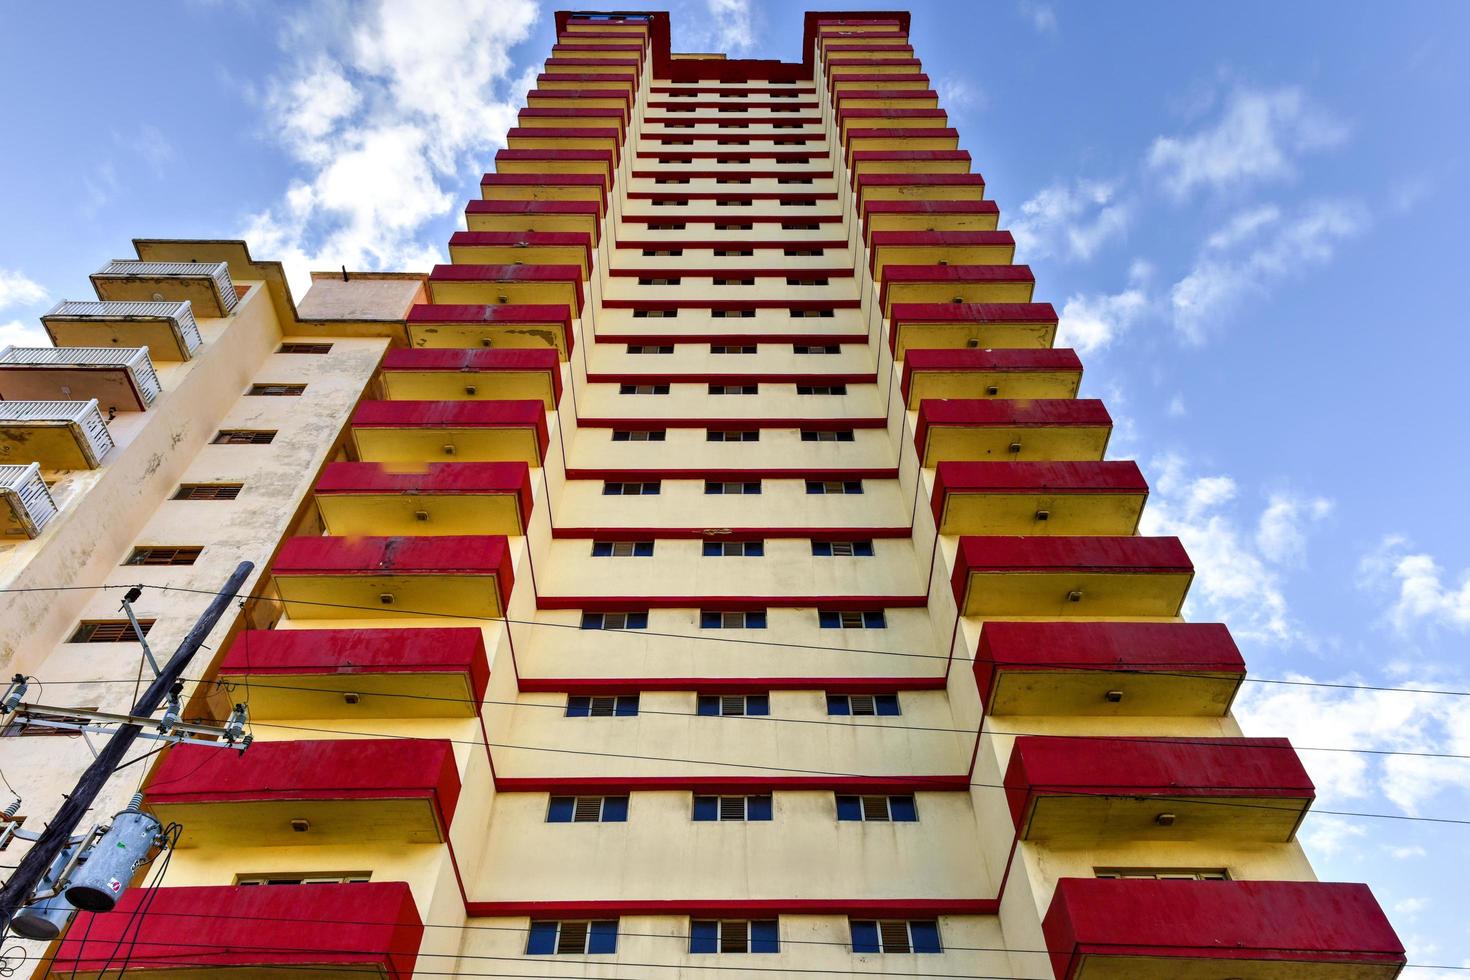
[(18, 289), (20, 334), (1257, 137), (1410, 907), (1070, 221), (1238, 579), (1041, 16), (1092, 322), (387, 107), (732, 26), (959, 94), (1281, 531), (1330, 835), (1177, 409), (1417, 583), (1222, 279), (1406, 852)]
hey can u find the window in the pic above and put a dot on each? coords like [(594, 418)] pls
[(842, 549), (823, 312), (726, 281), (816, 349), (658, 280), (720, 314), (732, 487), (733, 705), (615, 621), (734, 549), (732, 348), (734, 389), (612, 488), (244, 437), (602, 706), (798, 226), (655, 314), (791, 180), (157, 555), (1165, 874), (734, 936), (728, 226), (109, 631), (863, 704), (587, 809), (208, 491), (295, 348), (650, 348), (345, 878), (821, 389), (572, 938), (732, 435), (275, 389), (851, 619), (622, 549), (638, 435), (804, 252), (895, 936), (712, 619), (733, 253), (803, 202), (877, 809), (826, 435), (666, 225), (834, 486), (643, 389), (732, 808), (668, 180), (651, 252)]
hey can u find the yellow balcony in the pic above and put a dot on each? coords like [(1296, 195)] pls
[(574, 217), (952, 284), (918, 187), (929, 216), (978, 373), (870, 140), (498, 285), (878, 84), (550, 186), (472, 374), (873, 162), (522, 138), (1038, 498), (357, 673), (1107, 669), (599, 162), (522, 248), (1070, 577), (572, 82), (922, 326), (436, 327), (426, 498), (1064, 429), (591, 97), (889, 248), (468, 431)]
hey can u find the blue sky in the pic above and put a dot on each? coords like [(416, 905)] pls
[(1250, 214)]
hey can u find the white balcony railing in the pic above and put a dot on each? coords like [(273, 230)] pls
[(134, 361), (178, 317), (25, 502), (83, 419), (120, 274)]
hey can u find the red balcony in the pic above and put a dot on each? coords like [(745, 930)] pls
[(1075, 577), (878, 99), (1073, 790), (1153, 669), (432, 499), (478, 431), (978, 429), (438, 672), (496, 285), (920, 326), (1038, 498), (525, 247), (598, 162), (928, 216), (594, 97), (977, 372), (306, 932), (890, 248), (912, 186), (544, 186), (361, 578), (519, 327), (609, 139), (913, 138), (584, 217), (533, 119), (349, 791), (874, 120), (954, 284), (1122, 929), (447, 374), (904, 161)]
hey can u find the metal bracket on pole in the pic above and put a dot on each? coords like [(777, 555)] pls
[(131, 597)]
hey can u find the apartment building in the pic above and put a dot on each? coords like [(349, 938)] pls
[(711, 568)]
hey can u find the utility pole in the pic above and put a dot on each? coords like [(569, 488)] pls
[(33, 867)]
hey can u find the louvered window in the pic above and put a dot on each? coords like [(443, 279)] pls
[(726, 226), (244, 437), (655, 314), (862, 704), (827, 435), (348, 878), (734, 253), (821, 389), (816, 349), (296, 348), (733, 705), (734, 549), (842, 549), (834, 486), (575, 938), (658, 280), (630, 389), (108, 631), (638, 435), (1165, 874), (711, 619), (650, 348), (720, 314), (817, 314), (183, 555), (895, 936), (734, 282), (730, 487), (614, 488), (21, 728), (877, 809), (587, 809), (732, 435), (734, 389), (852, 619), (285, 390), (731, 808), (602, 706), (622, 549), (734, 936), (208, 491), (615, 621)]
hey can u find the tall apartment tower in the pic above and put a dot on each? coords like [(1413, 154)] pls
[(711, 571)]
